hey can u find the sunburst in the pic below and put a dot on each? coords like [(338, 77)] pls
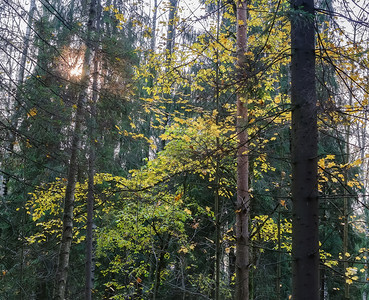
[(76, 70)]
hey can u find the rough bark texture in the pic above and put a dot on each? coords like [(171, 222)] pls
[(90, 265), (305, 239), (67, 233), (95, 14), (243, 200)]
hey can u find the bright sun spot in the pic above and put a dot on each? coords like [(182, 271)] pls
[(71, 62), (76, 71), (76, 66)]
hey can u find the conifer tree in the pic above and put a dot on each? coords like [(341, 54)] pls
[(304, 151)]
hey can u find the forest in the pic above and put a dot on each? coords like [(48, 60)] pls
[(193, 149)]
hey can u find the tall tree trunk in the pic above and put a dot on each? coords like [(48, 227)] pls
[(363, 138), (90, 204), (217, 173), (346, 197), (153, 26), (91, 125), (346, 210), (67, 233), (243, 198), (305, 234), (173, 6), (160, 265), (20, 79), (217, 230), (91, 193), (27, 37), (279, 267), (12, 138), (171, 30)]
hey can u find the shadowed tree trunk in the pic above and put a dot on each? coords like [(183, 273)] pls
[(27, 38), (153, 26), (170, 42), (171, 29), (20, 79), (217, 209), (95, 13), (305, 239), (243, 198), (67, 233)]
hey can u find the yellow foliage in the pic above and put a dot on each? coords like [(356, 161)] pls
[(32, 112)]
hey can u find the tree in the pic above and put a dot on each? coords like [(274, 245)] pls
[(304, 151), (243, 198), (67, 234), (95, 10)]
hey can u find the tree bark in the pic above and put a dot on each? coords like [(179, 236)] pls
[(173, 7), (27, 38), (20, 79), (95, 14), (67, 233), (217, 209), (153, 26), (304, 135), (243, 198), (160, 265), (171, 30)]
